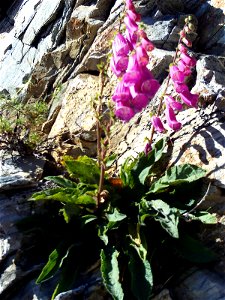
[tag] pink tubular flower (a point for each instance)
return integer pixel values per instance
(147, 44)
(148, 148)
(171, 118)
(132, 38)
(133, 74)
(157, 123)
(182, 48)
(142, 56)
(176, 75)
(130, 5)
(186, 42)
(122, 93)
(169, 100)
(185, 69)
(150, 87)
(139, 100)
(180, 87)
(133, 15)
(120, 45)
(124, 113)
(130, 24)
(118, 64)
(188, 60)
(189, 99)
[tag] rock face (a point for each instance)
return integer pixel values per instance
(56, 45)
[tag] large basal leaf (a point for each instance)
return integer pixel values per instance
(54, 263)
(177, 175)
(84, 168)
(167, 216)
(141, 275)
(61, 181)
(110, 272)
(194, 251)
(79, 195)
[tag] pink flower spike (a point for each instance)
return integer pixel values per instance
(157, 124)
(180, 87)
(176, 75)
(188, 60)
(171, 118)
(150, 87)
(120, 45)
(189, 99)
(169, 100)
(183, 68)
(142, 56)
(124, 113)
(133, 15)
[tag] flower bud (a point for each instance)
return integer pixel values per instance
(191, 27)
(157, 124)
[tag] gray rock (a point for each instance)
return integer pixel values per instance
(201, 285)
(19, 172)
(38, 27)
(210, 81)
(159, 32)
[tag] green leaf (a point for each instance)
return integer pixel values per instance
(141, 275)
(102, 230)
(88, 218)
(115, 218)
(110, 272)
(68, 274)
(70, 210)
(61, 181)
(194, 251)
(109, 161)
(54, 263)
(134, 171)
(167, 216)
(59, 194)
(177, 175)
(84, 168)
(79, 195)
(204, 217)
(86, 200)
